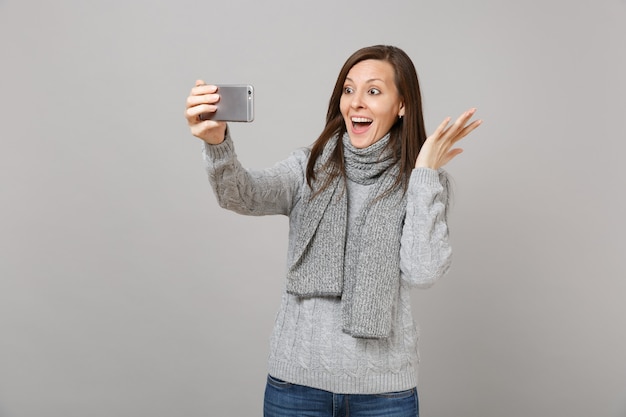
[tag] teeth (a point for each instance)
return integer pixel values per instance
(361, 120)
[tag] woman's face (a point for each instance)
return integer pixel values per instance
(370, 103)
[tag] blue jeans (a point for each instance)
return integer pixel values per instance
(283, 399)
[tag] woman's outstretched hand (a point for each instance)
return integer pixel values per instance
(202, 100)
(437, 150)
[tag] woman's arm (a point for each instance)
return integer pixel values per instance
(425, 252)
(270, 191)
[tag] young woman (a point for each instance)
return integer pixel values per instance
(367, 209)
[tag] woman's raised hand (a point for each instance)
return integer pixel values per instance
(437, 149)
(202, 100)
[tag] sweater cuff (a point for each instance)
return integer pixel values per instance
(221, 150)
(425, 176)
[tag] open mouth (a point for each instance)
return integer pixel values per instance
(360, 123)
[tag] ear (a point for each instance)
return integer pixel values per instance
(401, 111)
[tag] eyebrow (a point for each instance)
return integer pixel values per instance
(367, 81)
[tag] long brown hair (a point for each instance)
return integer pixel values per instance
(407, 135)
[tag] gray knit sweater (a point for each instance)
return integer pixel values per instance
(308, 346)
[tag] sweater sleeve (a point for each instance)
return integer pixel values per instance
(425, 252)
(270, 191)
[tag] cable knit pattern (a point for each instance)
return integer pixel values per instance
(308, 345)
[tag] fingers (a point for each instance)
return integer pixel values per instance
(448, 156)
(445, 131)
(456, 132)
(438, 150)
(202, 99)
(442, 127)
(462, 120)
(465, 117)
(200, 88)
(468, 129)
(197, 100)
(202, 94)
(459, 129)
(192, 114)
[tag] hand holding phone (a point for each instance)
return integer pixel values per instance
(203, 99)
(236, 104)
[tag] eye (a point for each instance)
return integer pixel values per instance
(348, 90)
(373, 91)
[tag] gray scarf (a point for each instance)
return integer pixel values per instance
(365, 270)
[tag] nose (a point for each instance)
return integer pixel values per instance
(357, 101)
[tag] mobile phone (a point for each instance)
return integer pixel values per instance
(236, 104)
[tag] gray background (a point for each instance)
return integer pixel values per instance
(126, 291)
